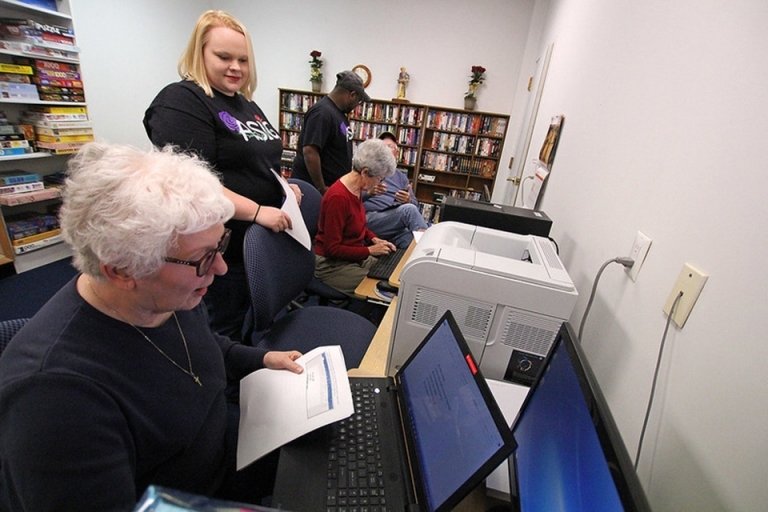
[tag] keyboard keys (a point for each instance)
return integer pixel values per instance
(355, 473)
(385, 265)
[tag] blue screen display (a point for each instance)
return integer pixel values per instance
(453, 430)
(560, 464)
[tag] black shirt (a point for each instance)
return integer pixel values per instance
(231, 133)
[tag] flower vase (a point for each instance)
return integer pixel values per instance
(316, 86)
(469, 102)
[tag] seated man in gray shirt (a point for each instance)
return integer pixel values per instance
(392, 210)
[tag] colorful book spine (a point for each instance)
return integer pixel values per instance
(16, 68)
(16, 177)
(46, 109)
(30, 197)
(36, 238)
(14, 151)
(33, 246)
(22, 187)
(64, 138)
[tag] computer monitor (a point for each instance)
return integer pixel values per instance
(570, 456)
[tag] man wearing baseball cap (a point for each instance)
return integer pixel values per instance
(324, 151)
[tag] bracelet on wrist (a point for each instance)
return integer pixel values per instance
(258, 208)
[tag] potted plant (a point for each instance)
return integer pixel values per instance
(475, 79)
(315, 73)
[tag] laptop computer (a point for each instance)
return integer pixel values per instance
(440, 433)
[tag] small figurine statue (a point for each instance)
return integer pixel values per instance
(402, 83)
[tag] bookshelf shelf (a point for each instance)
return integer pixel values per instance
(49, 48)
(22, 7)
(459, 148)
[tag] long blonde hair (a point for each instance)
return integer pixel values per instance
(191, 65)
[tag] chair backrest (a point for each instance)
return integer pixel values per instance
(278, 269)
(8, 328)
(310, 205)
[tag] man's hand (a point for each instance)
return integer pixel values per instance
(380, 188)
(278, 360)
(403, 196)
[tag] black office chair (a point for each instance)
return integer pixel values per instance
(8, 329)
(278, 269)
(310, 211)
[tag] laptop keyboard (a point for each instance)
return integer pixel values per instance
(385, 265)
(355, 473)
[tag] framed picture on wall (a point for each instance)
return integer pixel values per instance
(548, 149)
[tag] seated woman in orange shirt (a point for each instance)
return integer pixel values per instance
(344, 246)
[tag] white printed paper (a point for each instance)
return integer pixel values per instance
(277, 406)
(291, 207)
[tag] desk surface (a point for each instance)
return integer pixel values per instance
(374, 363)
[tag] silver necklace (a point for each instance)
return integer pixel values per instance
(189, 371)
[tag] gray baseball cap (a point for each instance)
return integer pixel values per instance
(351, 82)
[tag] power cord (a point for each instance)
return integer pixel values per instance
(655, 378)
(627, 262)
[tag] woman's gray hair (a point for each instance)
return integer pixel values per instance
(374, 155)
(125, 207)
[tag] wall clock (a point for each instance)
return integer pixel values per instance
(364, 73)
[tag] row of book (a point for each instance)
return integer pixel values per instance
(22, 187)
(31, 37)
(298, 102)
(411, 115)
(452, 142)
(291, 120)
(430, 212)
(29, 231)
(488, 147)
(466, 123)
(362, 131)
(408, 136)
(379, 112)
(290, 139)
(60, 130)
(41, 80)
(439, 197)
(408, 156)
(465, 144)
(456, 164)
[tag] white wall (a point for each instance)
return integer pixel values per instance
(128, 55)
(666, 111)
(129, 51)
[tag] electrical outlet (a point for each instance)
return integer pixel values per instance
(690, 282)
(638, 253)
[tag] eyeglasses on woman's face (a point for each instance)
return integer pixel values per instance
(204, 264)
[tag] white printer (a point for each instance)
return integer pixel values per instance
(508, 292)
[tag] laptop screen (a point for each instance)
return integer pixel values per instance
(569, 454)
(457, 434)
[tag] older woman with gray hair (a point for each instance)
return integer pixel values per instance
(344, 246)
(118, 381)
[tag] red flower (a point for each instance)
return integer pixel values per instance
(315, 53)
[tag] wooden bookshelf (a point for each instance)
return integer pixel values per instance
(447, 152)
(460, 154)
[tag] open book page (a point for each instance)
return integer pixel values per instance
(277, 406)
(291, 207)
